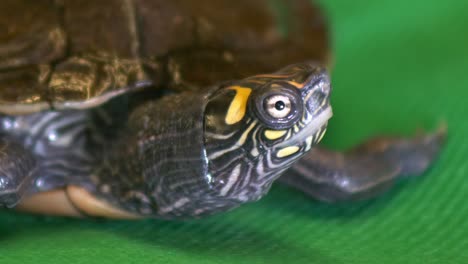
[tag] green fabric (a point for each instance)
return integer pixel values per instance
(400, 65)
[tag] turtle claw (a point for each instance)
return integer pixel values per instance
(16, 165)
(8, 192)
(366, 170)
(416, 155)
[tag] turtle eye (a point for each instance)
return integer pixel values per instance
(278, 106)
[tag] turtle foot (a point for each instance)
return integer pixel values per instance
(366, 170)
(410, 156)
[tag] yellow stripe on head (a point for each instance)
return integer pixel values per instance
(287, 151)
(297, 85)
(238, 105)
(275, 134)
(322, 134)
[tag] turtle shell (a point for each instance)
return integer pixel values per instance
(59, 54)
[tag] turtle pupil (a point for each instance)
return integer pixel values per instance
(280, 105)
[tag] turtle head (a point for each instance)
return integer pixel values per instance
(256, 128)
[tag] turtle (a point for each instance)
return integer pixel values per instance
(176, 109)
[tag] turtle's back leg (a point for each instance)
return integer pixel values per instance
(364, 171)
(16, 172)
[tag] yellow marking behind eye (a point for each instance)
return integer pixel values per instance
(274, 134)
(238, 105)
(287, 151)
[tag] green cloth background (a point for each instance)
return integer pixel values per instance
(399, 66)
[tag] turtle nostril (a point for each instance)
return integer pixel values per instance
(324, 83)
(319, 80)
(316, 100)
(326, 88)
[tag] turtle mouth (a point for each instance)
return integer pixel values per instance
(315, 126)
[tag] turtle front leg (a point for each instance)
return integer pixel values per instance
(16, 170)
(364, 171)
